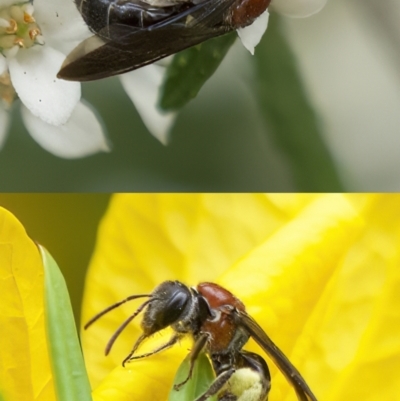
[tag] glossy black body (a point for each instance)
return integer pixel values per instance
(130, 34)
(99, 14)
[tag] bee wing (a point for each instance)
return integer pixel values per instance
(121, 48)
(293, 376)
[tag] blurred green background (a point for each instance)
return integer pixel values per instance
(252, 128)
(66, 224)
(316, 109)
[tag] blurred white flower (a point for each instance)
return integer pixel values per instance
(251, 35)
(34, 39)
(351, 74)
(142, 85)
(297, 8)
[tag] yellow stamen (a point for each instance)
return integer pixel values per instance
(28, 18)
(19, 42)
(33, 33)
(13, 26)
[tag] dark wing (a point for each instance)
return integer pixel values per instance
(121, 48)
(294, 377)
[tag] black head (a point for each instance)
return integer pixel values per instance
(170, 303)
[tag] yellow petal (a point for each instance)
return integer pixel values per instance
(358, 341)
(24, 362)
(144, 379)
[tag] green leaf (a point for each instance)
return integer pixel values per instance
(289, 114)
(202, 377)
(71, 380)
(190, 69)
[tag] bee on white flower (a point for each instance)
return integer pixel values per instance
(36, 36)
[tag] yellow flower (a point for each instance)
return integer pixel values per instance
(318, 272)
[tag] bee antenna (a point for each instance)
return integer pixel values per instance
(113, 306)
(125, 323)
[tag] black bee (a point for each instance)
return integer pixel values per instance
(220, 327)
(133, 33)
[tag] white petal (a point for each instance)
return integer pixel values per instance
(4, 125)
(142, 86)
(3, 64)
(252, 34)
(33, 74)
(297, 8)
(81, 136)
(61, 24)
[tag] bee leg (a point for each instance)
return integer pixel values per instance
(194, 353)
(172, 341)
(217, 384)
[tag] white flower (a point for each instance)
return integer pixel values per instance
(51, 108)
(142, 85)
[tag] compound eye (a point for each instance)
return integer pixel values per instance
(169, 304)
(174, 308)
